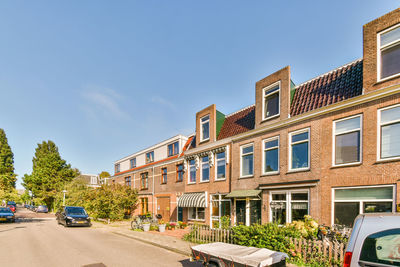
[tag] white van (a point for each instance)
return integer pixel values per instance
(374, 241)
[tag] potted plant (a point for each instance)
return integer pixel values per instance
(146, 226)
(172, 225)
(161, 226)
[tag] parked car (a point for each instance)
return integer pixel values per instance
(33, 208)
(42, 208)
(374, 241)
(73, 216)
(12, 208)
(6, 215)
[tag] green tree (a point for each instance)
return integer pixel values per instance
(50, 173)
(7, 175)
(104, 174)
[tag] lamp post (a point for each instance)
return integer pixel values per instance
(64, 191)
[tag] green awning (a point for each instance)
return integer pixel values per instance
(243, 193)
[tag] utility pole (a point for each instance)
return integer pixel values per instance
(64, 191)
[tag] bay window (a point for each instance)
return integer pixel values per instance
(299, 150)
(347, 140)
(246, 158)
(389, 53)
(271, 155)
(389, 132)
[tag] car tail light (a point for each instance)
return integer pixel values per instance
(347, 259)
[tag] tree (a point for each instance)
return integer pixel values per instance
(104, 174)
(50, 173)
(7, 175)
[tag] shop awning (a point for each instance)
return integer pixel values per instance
(192, 200)
(243, 193)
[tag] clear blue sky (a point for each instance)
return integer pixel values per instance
(103, 79)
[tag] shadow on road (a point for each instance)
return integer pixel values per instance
(10, 229)
(188, 263)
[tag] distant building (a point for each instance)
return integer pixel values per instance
(92, 180)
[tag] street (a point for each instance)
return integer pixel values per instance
(37, 240)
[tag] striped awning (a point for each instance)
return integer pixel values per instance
(192, 200)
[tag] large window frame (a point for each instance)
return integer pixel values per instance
(128, 181)
(291, 144)
(117, 168)
(362, 201)
(204, 166)
(133, 163)
(241, 160)
(173, 149)
(164, 175)
(264, 150)
(203, 121)
(144, 181)
(144, 205)
(334, 134)
(197, 211)
(217, 200)
(288, 202)
(267, 92)
(218, 160)
(150, 157)
(179, 172)
(381, 48)
(379, 131)
(192, 171)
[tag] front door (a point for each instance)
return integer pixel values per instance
(240, 212)
(180, 214)
(255, 212)
(163, 208)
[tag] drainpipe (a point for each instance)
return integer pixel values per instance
(153, 194)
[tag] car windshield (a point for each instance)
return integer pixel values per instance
(75, 211)
(5, 210)
(11, 203)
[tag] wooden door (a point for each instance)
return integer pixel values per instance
(163, 208)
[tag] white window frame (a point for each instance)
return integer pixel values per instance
(201, 169)
(194, 165)
(380, 49)
(216, 167)
(288, 202)
(378, 151)
(93, 179)
(201, 127)
(361, 201)
(196, 219)
(263, 154)
(350, 131)
(219, 201)
(264, 95)
(299, 142)
(241, 160)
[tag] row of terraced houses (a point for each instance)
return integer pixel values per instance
(329, 148)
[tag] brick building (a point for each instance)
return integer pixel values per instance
(329, 147)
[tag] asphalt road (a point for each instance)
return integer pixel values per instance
(37, 240)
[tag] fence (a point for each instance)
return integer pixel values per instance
(330, 253)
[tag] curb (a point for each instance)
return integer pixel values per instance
(154, 244)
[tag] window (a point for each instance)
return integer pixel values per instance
(389, 132)
(347, 140)
(205, 170)
(179, 173)
(381, 249)
(164, 175)
(271, 101)
(288, 206)
(144, 180)
(196, 214)
(144, 205)
(221, 166)
(349, 202)
(117, 168)
(93, 179)
(128, 181)
(192, 171)
(299, 154)
(389, 49)
(150, 157)
(133, 163)
(271, 155)
(173, 149)
(221, 207)
(205, 128)
(246, 160)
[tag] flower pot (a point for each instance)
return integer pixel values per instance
(146, 227)
(161, 228)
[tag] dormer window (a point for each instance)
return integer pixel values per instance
(173, 149)
(389, 49)
(150, 157)
(133, 163)
(205, 128)
(117, 168)
(271, 101)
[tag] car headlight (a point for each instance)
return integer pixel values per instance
(69, 218)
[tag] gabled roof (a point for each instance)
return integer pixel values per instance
(337, 85)
(238, 122)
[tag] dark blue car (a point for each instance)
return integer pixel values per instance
(6, 215)
(73, 216)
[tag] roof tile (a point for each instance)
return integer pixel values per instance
(238, 122)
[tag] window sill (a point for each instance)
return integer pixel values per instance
(387, 78)
(191, 183)
(298, 170)
(197, 220)
(269, 174)
(245, 177)
(179, 181)
(204, 141)
(202, 182)
(163, 183)
(346, 165)
(380, 161)
(220, 180)
(270, 118)
(142, 189)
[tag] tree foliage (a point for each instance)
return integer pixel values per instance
(7, 175)
(106, 202)
(104, 174)
(50, 173)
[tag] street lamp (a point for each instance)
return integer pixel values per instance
(64, 191)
